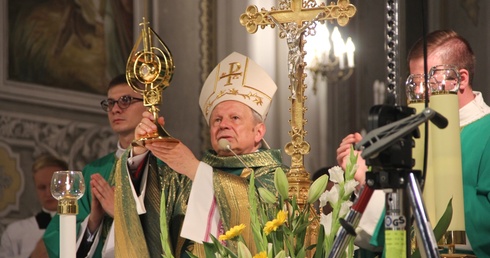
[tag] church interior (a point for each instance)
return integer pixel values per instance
(50, 88)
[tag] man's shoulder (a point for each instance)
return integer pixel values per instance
(102, 165)
(476, 133)
(109, 158)
(480, 124)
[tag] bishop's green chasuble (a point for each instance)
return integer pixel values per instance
(231, 182)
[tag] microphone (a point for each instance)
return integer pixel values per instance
(224, 144)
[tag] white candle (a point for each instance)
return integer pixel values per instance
(350, 48)
(445, 145)
(338, 46)
(328, 47)
(68, 240)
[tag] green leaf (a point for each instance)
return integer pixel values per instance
(191, 255)
(301, 253)
(260, 242)
(210, 249)
(349, 168)
(222, 250)
(320, 248)
(281, 183)
(317, 189)
(243, 251)
(442, 225)
(444, 221)
(281, 254)
(267, 195)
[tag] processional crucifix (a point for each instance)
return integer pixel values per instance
(297, 19)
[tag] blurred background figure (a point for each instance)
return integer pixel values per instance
(23, 238)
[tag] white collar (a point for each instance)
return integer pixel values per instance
(120, 150)
(474, 110)
(52, 213)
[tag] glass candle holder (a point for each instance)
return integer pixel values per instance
(444, 79)
(415, 87)
(67, 187)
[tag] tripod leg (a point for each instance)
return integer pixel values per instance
(428, 243)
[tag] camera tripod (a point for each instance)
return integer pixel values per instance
(388, 150)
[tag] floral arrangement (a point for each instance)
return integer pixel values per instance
(280, 225)
(282, 232)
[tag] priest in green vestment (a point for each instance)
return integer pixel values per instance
(475, 151)
(447, 47)
(235, 100)
(96, 207)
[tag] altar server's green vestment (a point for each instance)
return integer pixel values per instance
(475, 149)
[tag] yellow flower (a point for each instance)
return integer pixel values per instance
(262, 254)
(281, 217)
(275, 223)
(232, 233)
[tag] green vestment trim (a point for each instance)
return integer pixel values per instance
(139, 236)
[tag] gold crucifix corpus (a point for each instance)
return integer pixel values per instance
(297, 19)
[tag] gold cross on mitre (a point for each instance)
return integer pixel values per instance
(296, 19)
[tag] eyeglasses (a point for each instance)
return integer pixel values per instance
(123, 102)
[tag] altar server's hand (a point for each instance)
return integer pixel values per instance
(104, 193)
(102, 201)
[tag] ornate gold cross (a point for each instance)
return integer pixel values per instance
(297, 11)
(296, 19)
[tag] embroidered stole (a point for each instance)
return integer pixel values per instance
(151, 220)
(129, 237)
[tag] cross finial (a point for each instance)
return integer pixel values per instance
(298, 12)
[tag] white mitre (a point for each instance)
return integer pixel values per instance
(239, 78)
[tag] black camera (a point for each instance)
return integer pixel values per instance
(395, 161)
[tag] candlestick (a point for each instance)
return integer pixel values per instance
(326, 56)
(67, 187)
(350, 48)
(338, 46)
(446, 162)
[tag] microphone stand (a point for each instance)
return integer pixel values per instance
(225, 144)
(394, 179)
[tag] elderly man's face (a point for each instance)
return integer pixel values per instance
(234, 121)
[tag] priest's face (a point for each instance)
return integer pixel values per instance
(42, 182)
(124, 120)
(235, 122)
